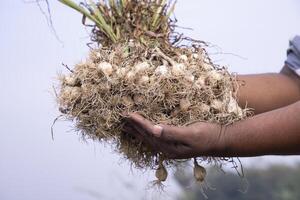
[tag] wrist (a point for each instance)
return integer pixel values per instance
(219, 140)
(225, 132)
(221, 148)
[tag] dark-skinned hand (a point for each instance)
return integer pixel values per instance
(198, 139)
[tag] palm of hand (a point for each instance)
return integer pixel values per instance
(198, 139)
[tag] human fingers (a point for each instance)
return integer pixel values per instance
(171, 149)
(164, 132)
(145, 125)
(129, 129)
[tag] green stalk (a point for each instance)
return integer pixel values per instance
(124, 3)
(100, 22)
(157, 14)
(171, 10)
(116, 5)
(101, 19)
(73, 5)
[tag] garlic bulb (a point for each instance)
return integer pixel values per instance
(207, 66)
(127, 101)
(141, 67)
(130, 76)
(205, 108)
(217, 104)
(144, 80)
(199, 172)
(190, 78)
(121, 72)
(71, 81)
(71, 93)
(161, 70)
(184, 105)
(195, 56)
(106, 68)
(200, 82)
(131, 43)
(139, 99)
(161, 173)
(233, 107)
(98, 55)
(178, 69)
(183, 58)
(215, 75)
(193, 67)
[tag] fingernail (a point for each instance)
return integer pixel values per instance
(157, 130)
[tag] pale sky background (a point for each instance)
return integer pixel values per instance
(33, 167)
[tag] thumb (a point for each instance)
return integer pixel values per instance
(173, 133)
(144, 125)
(157, 130)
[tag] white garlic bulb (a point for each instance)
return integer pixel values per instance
(71, 80)
(184, 105)
(193, 67)
(200, 82)
(71, 93)
(195, 56)
(178, 69)
(106, 68)
(127, 101)
(205, 108)
(207, 66)
(121, 72)
(130, 75)
(190, 78)
(183, 58)
(144, 80)
(215, 75)
(217, 104)
(140, 67)
(233, 107)
(161, 70)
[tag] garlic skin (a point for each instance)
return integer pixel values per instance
(233, 107)
(131, 43)
(184, 105)
(141, 67)
(130, 76)
(195, 56)
(190, 78)
(178, 69)
(106, 68)
(71, 93)
(98, 54)
(161, 70)
(71, 81)
(217, 104)
(161, 173)
(200, 82)
(199, 173)
(205, 108)
(175, 112)
(144, 80)
(215, 75)
(183, 58)
(192, 67)
(207, 66)
(127, 101)
(121, 72)
(139, 99)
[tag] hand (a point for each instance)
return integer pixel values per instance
(198, 139)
